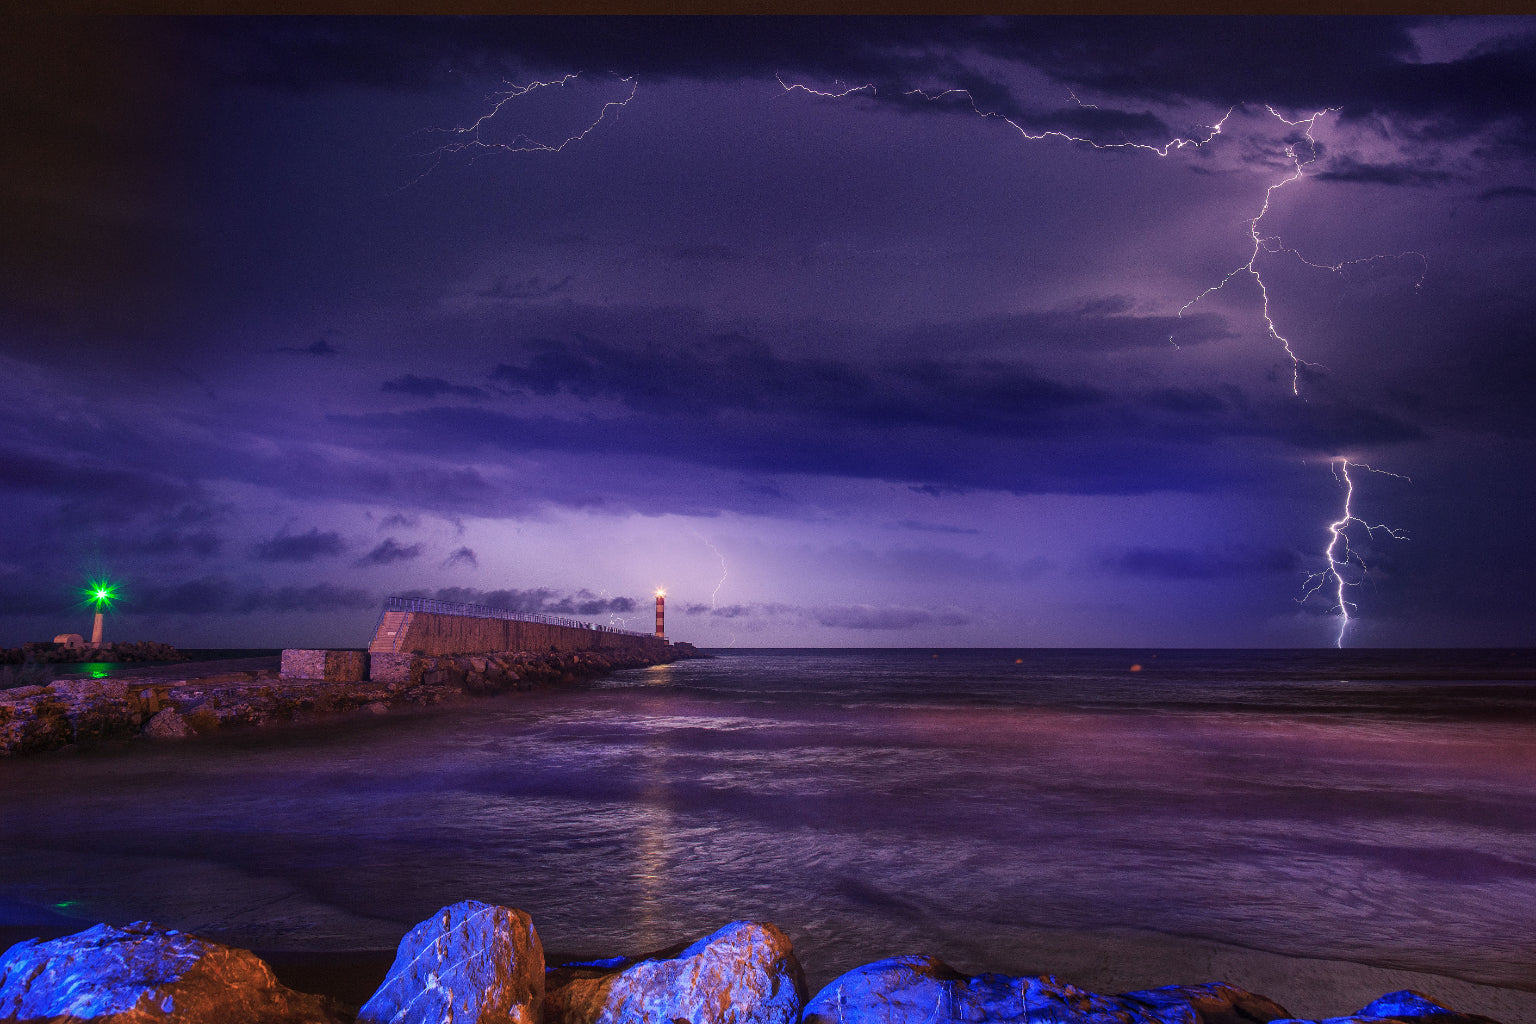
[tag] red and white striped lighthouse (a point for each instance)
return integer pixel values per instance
(661, 613)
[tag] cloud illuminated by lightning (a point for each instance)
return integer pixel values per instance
(1272, 244)
(1178, 142)
(1340, 556)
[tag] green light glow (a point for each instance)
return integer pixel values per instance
(101, 593)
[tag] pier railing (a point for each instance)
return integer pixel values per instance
(430, 606)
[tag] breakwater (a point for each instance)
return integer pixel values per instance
(424, 626)
(34, 719)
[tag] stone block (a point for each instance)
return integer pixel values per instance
(299, 664)
(390, 667)
(346, 666)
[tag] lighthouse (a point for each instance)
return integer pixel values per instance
(661, 613)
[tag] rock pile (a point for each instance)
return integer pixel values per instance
(49, 716)
(475, 963)
(144, 973)
(49, 654)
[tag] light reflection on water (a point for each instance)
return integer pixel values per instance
(871, 804)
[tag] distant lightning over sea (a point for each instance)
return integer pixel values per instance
(714, 597)
(1340, 556)
(1300, 153)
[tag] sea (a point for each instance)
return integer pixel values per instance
(1373, 806)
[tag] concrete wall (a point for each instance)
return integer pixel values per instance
(459, 634)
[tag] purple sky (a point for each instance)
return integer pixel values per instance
(281, 337)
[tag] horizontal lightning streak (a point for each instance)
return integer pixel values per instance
(472, 140)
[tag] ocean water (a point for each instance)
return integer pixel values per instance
(1374, 806)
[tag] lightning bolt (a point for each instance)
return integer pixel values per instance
(1272, 244)
(1339, 556)
(1261, 243)
(469, 138)
(714, 597)
(1300, 153)
(1178, 142)
(792, 86)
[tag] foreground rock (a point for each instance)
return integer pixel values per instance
(475, 963)
(745, 973)
(923, 990)
(470, 963)
(145, 973)
(1405, 1006)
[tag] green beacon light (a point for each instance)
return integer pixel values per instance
(100, 593)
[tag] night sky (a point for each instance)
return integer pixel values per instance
(298, 314)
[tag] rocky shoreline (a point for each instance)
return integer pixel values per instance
(66, 712)
(476, 963)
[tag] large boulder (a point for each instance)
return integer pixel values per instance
(745, 973)
(145, 973)
(470, 963)
(1406, 1006)
(923, 990)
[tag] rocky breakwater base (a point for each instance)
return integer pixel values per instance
(310, 685)
(475, 963)
(57, 653)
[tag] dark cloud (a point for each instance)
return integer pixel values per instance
(390, 551)
(724, 611)
(1193, 564)
(739, 373)
(1369, 65)
(463, 556)
(321, 597)
(1508, 192)
(167, 543)
(431, 387)
(91, 493)
(850, 616)
(941, 428)
(320, 348)
(216, 595)
(504, 289)
(540, 601)
(921, 527)
(1101, 325)
(301, 547)
(1350, 170)
(878, 618)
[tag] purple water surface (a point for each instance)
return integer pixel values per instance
(1377, 807)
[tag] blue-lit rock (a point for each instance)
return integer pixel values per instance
(469, 963)
(745, 973)
(923, 990)
(144, 973)
(1404, 1006)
